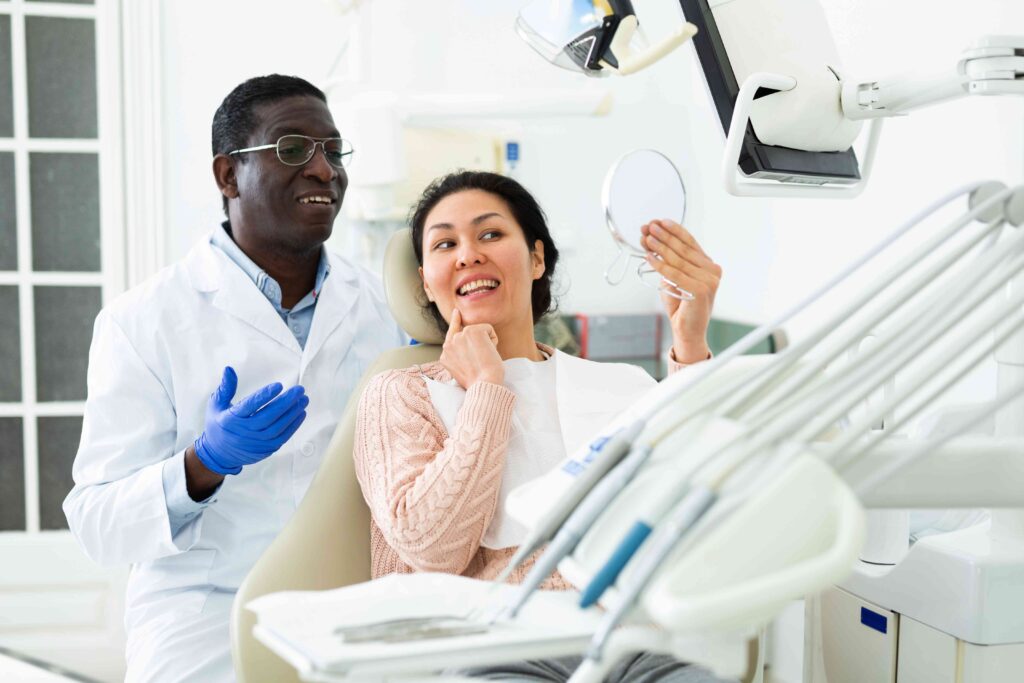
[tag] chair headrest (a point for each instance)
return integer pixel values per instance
(404, 290)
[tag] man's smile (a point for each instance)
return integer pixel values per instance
(319, 197)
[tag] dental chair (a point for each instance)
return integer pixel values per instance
(327, 542)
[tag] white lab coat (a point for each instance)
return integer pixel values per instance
(157, 354)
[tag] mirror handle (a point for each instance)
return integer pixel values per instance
(620, 255)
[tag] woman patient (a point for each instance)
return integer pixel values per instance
(439, 446)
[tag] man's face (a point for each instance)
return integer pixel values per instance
(273, 207)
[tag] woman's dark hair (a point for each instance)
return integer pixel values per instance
(525, 210)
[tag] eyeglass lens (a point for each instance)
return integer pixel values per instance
(296, 150)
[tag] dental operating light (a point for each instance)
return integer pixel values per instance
(593, 37)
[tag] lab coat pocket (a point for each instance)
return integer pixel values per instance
(187, 573)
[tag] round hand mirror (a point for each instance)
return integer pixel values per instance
(643, 185)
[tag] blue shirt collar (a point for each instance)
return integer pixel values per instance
(267, 285)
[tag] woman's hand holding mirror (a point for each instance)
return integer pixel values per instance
(676, 256)
(644, 204)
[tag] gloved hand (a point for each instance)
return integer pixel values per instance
(250, 430)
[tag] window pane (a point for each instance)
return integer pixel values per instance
(6, 91)
(65, 199)
(8, 225)
(58, 443)
(12, 475)
(61, 58)
(10, 346)
(64, 318)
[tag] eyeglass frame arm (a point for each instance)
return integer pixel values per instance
(316, 141)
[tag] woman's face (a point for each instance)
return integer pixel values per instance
(475, 258)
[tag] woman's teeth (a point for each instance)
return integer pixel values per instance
(471, 287)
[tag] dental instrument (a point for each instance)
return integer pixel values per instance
(598, 458)
(684, 520)
(637, 535)
(641, 529)
(756, 391)
(578, 523)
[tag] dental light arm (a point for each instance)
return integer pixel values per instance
(993, 65)
(630, 62)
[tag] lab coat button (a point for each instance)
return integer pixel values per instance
(308, 449)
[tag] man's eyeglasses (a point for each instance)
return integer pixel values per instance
(296, 150)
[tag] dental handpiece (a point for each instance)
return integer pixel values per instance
(651, 512)
(578, 523)
(681, 520)
(602, 455)
(630, 544)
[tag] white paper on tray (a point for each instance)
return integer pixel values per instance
(302, 625)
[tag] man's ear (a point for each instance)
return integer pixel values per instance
(224, 174)
(426, 289)
(537, 256)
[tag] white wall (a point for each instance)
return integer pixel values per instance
(772, 250)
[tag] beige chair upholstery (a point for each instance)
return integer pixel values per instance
(327, 542)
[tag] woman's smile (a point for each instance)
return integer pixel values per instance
(476, 287)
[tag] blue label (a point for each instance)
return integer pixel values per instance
(874, 620)
(572, 467)
(511, 151)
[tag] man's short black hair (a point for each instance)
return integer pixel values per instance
(235, 118)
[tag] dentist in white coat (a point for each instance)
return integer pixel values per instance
(194, 454)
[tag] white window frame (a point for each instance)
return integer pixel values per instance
(109, 147)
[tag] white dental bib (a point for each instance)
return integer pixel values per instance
(560, 402)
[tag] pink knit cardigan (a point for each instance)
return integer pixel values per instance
(431, 494)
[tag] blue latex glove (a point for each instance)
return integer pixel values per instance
(250, 430)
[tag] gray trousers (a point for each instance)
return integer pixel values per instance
(643, 667)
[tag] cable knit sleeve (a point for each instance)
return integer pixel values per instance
(432, 497)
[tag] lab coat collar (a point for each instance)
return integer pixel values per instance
(333, 305)
(211, 271)
(239, 296)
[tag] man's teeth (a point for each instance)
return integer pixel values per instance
(470, 287)
(315, 200)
